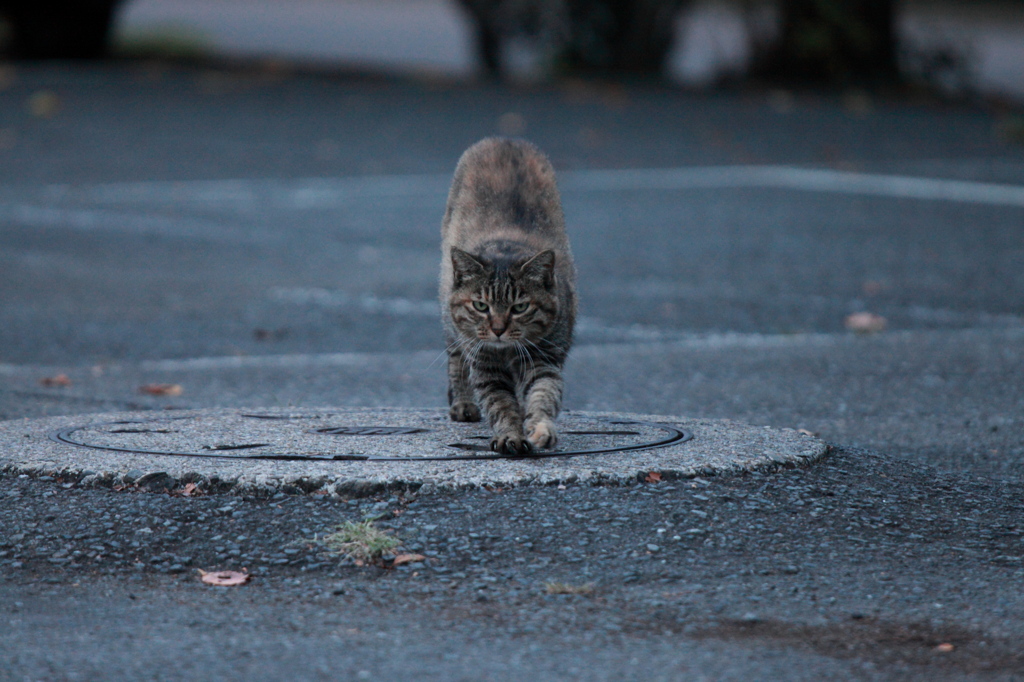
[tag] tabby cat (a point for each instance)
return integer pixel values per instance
(508, 294)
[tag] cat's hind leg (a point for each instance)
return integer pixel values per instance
(543, 403)
(461, 403)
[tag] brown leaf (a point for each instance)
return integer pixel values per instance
(872, 288)
(188, 490)
(865, 323)
(59, 380)
(223, 578)
(43, 103)
(407, 558)
(653, 477)
(170, 390)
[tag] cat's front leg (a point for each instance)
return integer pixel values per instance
(543, 403)
(498, 398)
(461, 403)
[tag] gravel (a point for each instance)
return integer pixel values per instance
(888, 557)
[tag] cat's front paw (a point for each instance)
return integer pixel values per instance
(464, 412)
(542, 434)
(511, 444)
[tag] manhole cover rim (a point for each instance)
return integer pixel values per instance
(676, 436)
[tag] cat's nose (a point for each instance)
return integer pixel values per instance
(498, 326)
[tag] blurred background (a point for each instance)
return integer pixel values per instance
(957, 47)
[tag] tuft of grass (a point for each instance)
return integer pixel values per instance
(566, 588)
(167, 41)
(1012, 129)
(361, 541)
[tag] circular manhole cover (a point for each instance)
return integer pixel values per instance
(360, 451)
(333, 437)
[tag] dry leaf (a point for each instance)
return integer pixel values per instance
(872, 288)
(170, 390)
(511, 123)
(188, 490)
(653, 477)
(223, 578)
(945, 648)
(43, 103)
(865, 323)
(407, 558)
(59, 380)
(565, 588)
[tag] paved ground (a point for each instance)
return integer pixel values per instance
(270, 239)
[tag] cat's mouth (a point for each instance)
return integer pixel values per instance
(502, 342)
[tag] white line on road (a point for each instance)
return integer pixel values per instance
(135, 222)
(429, 359)
(322, 193)
(369, 303)
(804, 179)
(425, 358)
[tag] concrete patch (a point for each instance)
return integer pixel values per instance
(358, 452)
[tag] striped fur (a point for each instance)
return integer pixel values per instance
(508, 294)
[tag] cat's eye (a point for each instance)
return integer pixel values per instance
(520, 308)
(481, 306)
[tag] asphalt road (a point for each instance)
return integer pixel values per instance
(270, 238)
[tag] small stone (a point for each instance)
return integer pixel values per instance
(653, 548)
(157, 482)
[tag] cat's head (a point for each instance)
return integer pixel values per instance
(503, 302)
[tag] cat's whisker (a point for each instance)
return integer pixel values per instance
(473, 351)
(546, 357)
(554, 345)
(525, 354)
(446, 351)
(436, 358)
(519, 353)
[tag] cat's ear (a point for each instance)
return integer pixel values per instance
(465, 266)
(539, 269)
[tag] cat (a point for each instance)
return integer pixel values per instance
(508, 294)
